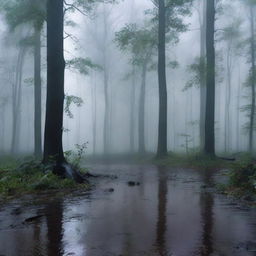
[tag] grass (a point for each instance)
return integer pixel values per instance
(241, 172)
(195, 161)
(17, 179)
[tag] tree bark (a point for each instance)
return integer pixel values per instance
(210, 81)
(53, 148)
(37, 96)
(162, 126)
(202, 76)
(253, 80)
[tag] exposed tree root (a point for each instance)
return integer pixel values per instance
(66, 170)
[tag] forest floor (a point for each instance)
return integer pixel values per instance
(19, 177)
(133, 210)
(240, 172)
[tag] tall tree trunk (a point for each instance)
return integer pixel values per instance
(37, 96)
(228, 99)
(142, 110)
(94, 115)
(16, 100)
(162, 126)
(53, 148)
(202, 76)
(253, 80)
(238, 109)
(107, 116)
(210, 81)
(132, 112)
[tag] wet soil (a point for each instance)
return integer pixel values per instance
(133, 210)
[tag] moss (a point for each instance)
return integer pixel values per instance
(242, 180)
(31, 177)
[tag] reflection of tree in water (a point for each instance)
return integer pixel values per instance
(207, 203)
(37, 243)
(162, 206)
(54, 215)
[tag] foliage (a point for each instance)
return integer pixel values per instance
(244, 177)
(198, 70)
(175, 11)
(69, 100)
(75, 157)
(25, 11)
(140, 42)
(30, 177)
(82, 65)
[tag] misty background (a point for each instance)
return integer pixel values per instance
(93, 36)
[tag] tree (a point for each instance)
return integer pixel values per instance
(168, 15)
(141, 43)
(252, 75)
(53, 148)
(162, 127)
(209, 147)
(30, 12)
(230, 35)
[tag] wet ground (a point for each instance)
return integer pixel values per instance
(146, 210)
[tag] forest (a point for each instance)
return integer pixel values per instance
(117, 114)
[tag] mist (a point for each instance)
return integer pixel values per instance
(127, 127)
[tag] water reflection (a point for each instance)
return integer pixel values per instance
(162, 208)
(54, 215)
(206, 205)
(171, 212)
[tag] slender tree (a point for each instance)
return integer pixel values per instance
(141, 43)
(30, 12)
(230, 35)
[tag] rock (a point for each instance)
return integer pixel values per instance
(133, 183)
(111, 190)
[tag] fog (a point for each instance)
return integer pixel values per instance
(93, 37)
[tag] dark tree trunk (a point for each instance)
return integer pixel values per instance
(210, 81)
(37, 96)
(53, 148)
(162, 126)
(142, 111)
(253, 80)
